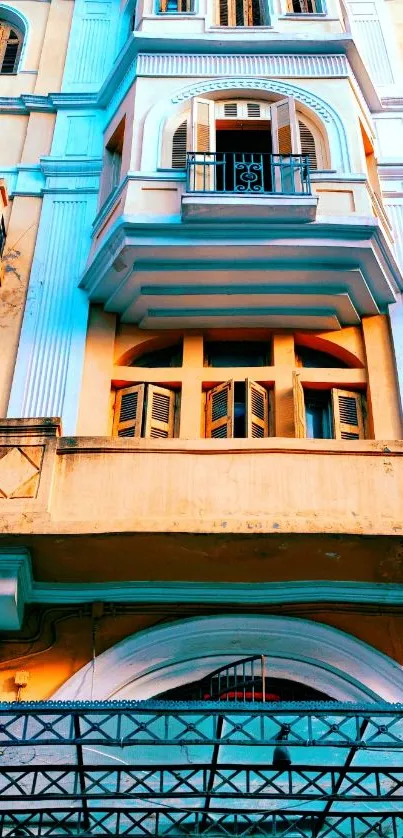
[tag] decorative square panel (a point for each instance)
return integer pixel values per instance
(19, 471)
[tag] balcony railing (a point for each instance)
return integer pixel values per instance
(248, 173)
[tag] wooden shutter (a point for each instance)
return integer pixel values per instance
(348, 420)
(128, 411)
(203, 142)
(308, 148)
(257, 410)
(299, 407)
(160, 412)
(179, 146)
(203, 125)
(220, 411)
(284, 128)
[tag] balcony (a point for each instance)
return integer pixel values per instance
(248, 186)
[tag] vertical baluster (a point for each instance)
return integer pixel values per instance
(224, 172)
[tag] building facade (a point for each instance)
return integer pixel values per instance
(201, 369)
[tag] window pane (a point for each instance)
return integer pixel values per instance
(318, 415)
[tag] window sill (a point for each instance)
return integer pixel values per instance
(304, 15)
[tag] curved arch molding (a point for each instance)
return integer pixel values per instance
(162, 110)
(160, 658)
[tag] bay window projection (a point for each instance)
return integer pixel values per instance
(146, 411)
(328, 414)
(238, 410)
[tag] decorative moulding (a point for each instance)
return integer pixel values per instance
(320, 66)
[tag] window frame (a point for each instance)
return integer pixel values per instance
(5, 25)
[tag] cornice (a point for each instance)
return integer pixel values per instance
(203, 593)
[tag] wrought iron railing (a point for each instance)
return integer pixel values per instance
(56, 783)
(248, 173)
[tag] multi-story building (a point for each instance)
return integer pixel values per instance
(201, 379)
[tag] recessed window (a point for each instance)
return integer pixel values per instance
(307, 357)
(305, 7)
(238, 410)
(176, 7)
(236, 354)
(10, 48)
(113, 160)
(328, 414)
(146, 411)
(170, 356)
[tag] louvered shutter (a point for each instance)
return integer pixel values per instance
(203, 142)
(257, 410)
(284, 129)
(348, 420)
(285, 141)
(220, 411)
(179, 146)
(159, 413)
(308, 144)
(128, 411)
(299, 407)
(203, 125)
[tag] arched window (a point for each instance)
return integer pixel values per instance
(221, 130)
(10, 48)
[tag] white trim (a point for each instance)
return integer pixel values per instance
(158, 659)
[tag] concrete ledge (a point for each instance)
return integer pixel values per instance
(217, 207)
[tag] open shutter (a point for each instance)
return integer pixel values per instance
(299, 407)
(348, 420)
(220, 411)
(160, 412)
(128, 411)
(284, 127)
(203, 144)
(285, 142)
(257, 410)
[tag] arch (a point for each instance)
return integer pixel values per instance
(157, 659)
(17, 20)
(165, 109)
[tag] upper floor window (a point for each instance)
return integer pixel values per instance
(307, 357)
(145, 410)
(169, 356)
(113, 160)
(246, 127)
(174, 7)
(305, 7)
(236, 354)
(241, 13)
(328, 414)
(238, 409)
(10, 48)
